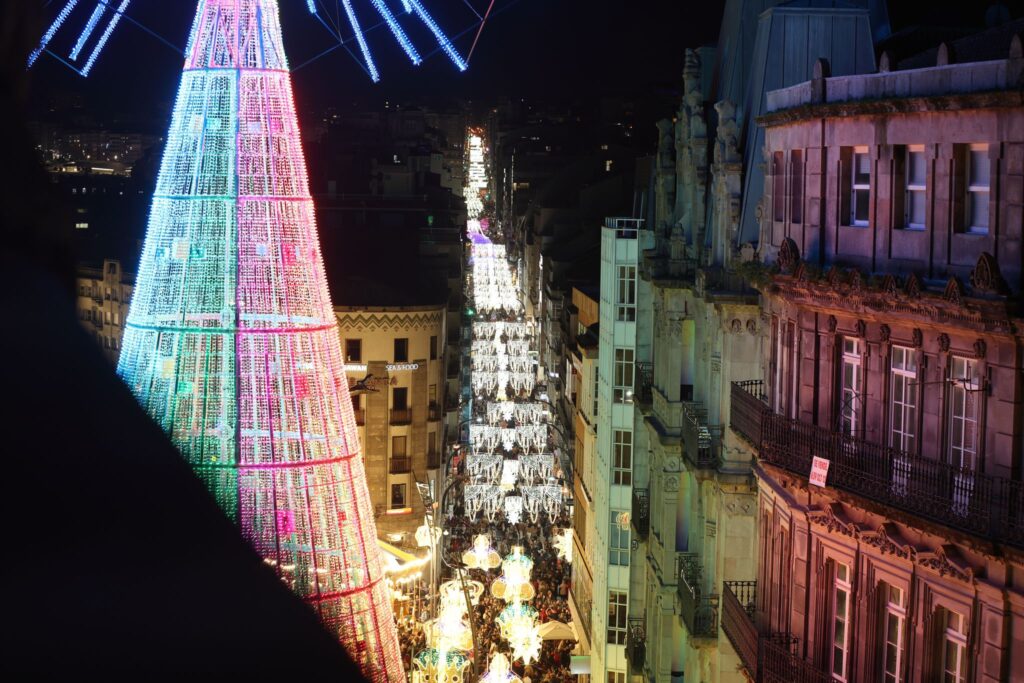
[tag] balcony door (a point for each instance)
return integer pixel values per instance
(964, 397)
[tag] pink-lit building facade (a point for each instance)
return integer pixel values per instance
(893, 348)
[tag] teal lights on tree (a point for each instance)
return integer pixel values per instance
(230, 342)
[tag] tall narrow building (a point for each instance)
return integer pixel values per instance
(230, 342)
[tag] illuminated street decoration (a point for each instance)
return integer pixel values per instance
(481, 555)
(231, 345)
(563, 544)
(102, 42)
(518, 624)
(499, 671)
(62, 16)
(427, 667)
(90, 26)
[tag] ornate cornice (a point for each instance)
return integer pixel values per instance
(947, 561)
(361, 322)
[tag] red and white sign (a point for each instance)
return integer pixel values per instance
(819, 471)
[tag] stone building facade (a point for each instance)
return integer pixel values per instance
(104, 295)
(395, 362)
(889, 420)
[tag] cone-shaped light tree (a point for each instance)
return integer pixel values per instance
(230, 342)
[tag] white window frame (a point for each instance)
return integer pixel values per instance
(618, 541)
(954, 637)
(625, 294)
(977, 192)
(895, 614)
(964, 410)
(913, 188)
(856, 187)
(850, 391)
(622, 457)
(841, 643)
(617, 631)
(903, 398)
(625, 367)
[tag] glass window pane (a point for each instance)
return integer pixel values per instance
(979, 209)
(916, 168)
(917, 208)
(979, 170)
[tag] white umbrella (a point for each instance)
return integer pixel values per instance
(556, 630)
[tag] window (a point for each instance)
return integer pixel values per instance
(618, 542)
(625, 299)
(915, 175)
(860, 186)
(616, 677)
(432, 394)
(433, 347)
(954, 648)
(778, 187)
(622, 466)
(904, 398)
(617, 604)
(401, 350)
(978, 183)
(398, 447)
(623, 376)
(849, 397)
(399, 398)
(963, 429)
(596, 384)
(353, 350)
(894, 634)
(397, 496)
(841, 590)
(796, 186)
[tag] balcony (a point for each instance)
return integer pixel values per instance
(636, 644)
(749, 406)
(453, 368)
(641, 513)
(702, 443)
(698, 612)
(972, 502)
(738, 600)
(642, 392)
(434, 412)
(768, 658)
(400, 464)
(360, 416)
(401, 416)
(433, 458)
(717, 282)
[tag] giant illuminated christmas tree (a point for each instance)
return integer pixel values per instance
(230, 343)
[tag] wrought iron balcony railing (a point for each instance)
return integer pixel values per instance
(749, 405)
(636, 643)
(956, 497)
(401, 416)
(701, 442)
(400, 464)
(738, 600)
(778, 662)
(641, 513)
(644, 381)
(699, 612)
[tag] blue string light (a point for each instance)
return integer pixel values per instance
(311, 4)
(90, 26)
(361, 39)
(397, 31)
(106, 35)
(50, 32)
(442, 39)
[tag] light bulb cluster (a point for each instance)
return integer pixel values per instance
(231, 344)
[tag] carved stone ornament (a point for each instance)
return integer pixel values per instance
(832, 518)
(889, 541)
(834, 277)
(671, 483)
(986, 278)
(946, 560)
(943, 342)
(954, 292)
(672, 464)
(913, 286)
(802, 274)
(884, 332)
(789, 255)
(890, 286)
(917, 338)
(861, 328)
(856, 280)
(752, 327)
(736, 326)
(833, 324)
(980, 348)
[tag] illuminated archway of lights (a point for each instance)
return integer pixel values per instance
(361, 16)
